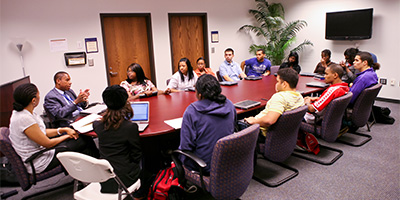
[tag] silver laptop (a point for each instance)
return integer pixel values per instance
(317, 84)
(246, 104)
(141, 114)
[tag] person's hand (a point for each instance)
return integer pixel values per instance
(82, 96)
(342, 63)
(250, 120)
(167, 91)
(148, 93)
(71, 132)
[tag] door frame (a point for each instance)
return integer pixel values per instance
(205, 35)
(149, 36)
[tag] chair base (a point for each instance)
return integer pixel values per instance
(345, 139)
(266, 174)
(92, 191)
(325, 151)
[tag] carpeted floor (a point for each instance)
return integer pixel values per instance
(371, 171)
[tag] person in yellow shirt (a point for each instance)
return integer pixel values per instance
(286, 98)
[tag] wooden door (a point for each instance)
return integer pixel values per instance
(127, 39)
(188, 36)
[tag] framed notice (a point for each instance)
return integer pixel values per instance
(91, 45)
(75, 58)
(214, 37)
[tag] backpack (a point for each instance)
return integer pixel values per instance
(307, 142)
(166, 185)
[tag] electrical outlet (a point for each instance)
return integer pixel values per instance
(392, 81)
(383, 81)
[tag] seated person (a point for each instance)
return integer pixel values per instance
(293, 62)
(61, 103)
(184, 78)
(286, 98)
(230, 70)
(257, 66)
(324, 63)
(136, 83)
(119, 141)
(202, 69)
(333, 75)
(348, 67)
(29, 135)
(367, 77)
(205, 121)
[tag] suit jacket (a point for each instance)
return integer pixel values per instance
(58, 110)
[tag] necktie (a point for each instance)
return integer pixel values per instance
(69, 99)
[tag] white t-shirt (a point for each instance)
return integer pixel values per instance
(177, 83)
(24, 146)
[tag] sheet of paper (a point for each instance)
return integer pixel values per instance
(85, 124)
(95, 109)
(174, 123)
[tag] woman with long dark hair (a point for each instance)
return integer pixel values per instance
(185, 78)
(28, 133)
(293, 62)
(119, 141)
(207, 120)
(136, 83)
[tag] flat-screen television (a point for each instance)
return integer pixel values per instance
(349, 25)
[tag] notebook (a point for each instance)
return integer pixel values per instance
(228, 83)
(246, 104)
(317, 84)
(141, 114)
(253, 78)
(307, 74)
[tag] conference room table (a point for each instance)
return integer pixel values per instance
(172, 106)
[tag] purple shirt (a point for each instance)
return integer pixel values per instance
(257, 68)
(364, 80)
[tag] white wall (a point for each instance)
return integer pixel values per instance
(41, 20)
(384, 43)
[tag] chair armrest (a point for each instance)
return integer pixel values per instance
(192, 156)
(30, 161)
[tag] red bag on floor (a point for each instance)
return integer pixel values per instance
(165, 182)
(307, 142)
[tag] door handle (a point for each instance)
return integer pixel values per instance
(113, 73)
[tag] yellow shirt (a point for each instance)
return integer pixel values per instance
(281, 102)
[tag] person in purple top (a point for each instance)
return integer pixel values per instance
(257, 66)
(367, 76)
(205, 121)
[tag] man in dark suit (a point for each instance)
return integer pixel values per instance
(62, 105)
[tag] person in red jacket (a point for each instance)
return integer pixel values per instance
(338, 88)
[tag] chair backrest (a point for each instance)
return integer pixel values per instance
(232, 163)
(274, 69)
(220, 79)
(16, 161)
(333, 115)
(86, 168)
(282, 136)
(363, 105)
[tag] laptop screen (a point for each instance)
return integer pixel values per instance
(140, 111)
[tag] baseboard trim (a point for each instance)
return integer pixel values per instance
(388, 100)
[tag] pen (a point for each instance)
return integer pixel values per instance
(264, 99)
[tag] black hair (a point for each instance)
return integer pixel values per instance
(368, 57)
(229, 49)
(351, 53)
(262, 50)
(58, 76)
(23, 95)
(140, 77)
(208, 86)
(336, 68)
(327, 52)
(290, 76)
(190, 69)
(296, 56)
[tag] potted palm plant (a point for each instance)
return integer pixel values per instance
(278, 34)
